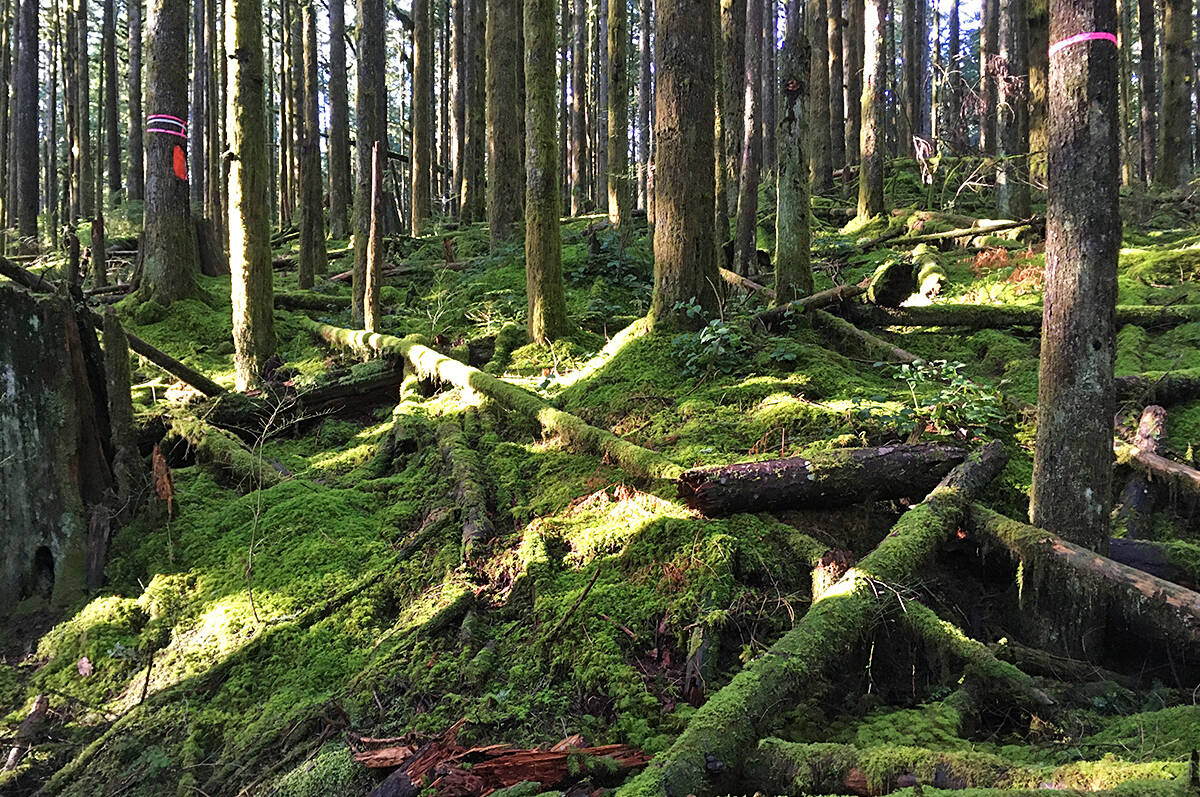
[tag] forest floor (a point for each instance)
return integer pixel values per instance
(284, 617)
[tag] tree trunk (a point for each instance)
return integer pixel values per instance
(1147, 89)
(339, 123)
(547, 309)
(837, 80)
(83, 158)
(374, 280)
(371, 127)
(989, 51)
(52, 183)
(136, 149)
(503, 125)
(746, 239)
(1012, 115)
(579, 141)
(829, 479)
(169, 256)
(852, 38)
(600, 72)
(910, 76)
(198, 117)
(1125, 138)
(870, 174)
(1038, 15)
(645, 100)
(25, 129)
(619, 197)
(821, 167)
(1072, 460)
(471, 191)
(422, 117)
(770, 72)
(733, 95)
(313, 256)
(955, 124)
(249, 178)
(1175, 166)
(685, 264)
(111, 138)
(7, 31)
(793, 267)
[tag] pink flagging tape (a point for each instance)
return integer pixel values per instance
(1083, 37)
(168, 132)
(167, 116)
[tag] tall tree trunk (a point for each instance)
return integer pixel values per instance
(821, 167)
(770, 78)
(445, 164)
(111, 138)
(1072, 470)
(1038, 12)
(371, 126)
(1175, 166)
(8, 27)
(685, 264)
(1012, 178)
(83, 155)
(70, 113)
(1147, 89)
(793, 268)
(313, 257)
(579, 138)
(1124, 139)
(645, 99)
(471, 194)
(503, 126)
(837, 81)
(870, 176)
(198, 116)
(169, 255)
(853, 41)
(296, 105)
(600, 57)
(547, 308)
(720, 188)
(458, 133)
(422, 117)
(25, 130)
(619, 197)
(910, 76)
(988, 89)
(564, 101)
(733, 97)
(52, 197)
(215, 184)
(249, 178)
(746, 239)
(956, 128)
(374, 283)
(339, 123)
(285, 115)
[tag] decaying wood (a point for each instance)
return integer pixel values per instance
(825, 480)
(1156, 558)
(222, 449)
(983, 316)
(310, 300)
(1038, 662)
(1137, 498)
(770, 319)
(871, 345)
(28, 731)
(737, 280)
(981, 228)
(1158, 468)
(1171, 387)
(469, 490)
(725, 728)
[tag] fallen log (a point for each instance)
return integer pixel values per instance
(634, 459)
(1168, 387)
(29, 730)
(971, 232)
(771, 319)
(738, 281)
(1176, 475)
(725, 728)
(1038, 662)
(873, 346)
(825, 480)
(469, 490)
(1175, 560)
(222, 449)
(1137, 497)
(985, 316)
(310, 300)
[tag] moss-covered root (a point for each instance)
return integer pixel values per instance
(508, 339)
(469, 485)
(222, 449)
(633, 459)
(1058, 574)
(981, 664)
(721, 733)
(869, 344)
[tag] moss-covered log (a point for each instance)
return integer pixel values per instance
(1174, 560)
(1161, 387)
(305, 300)
(1137, 497)
(828, 479)
(469, 485)
(871, 345)
(723, 731)
(982, 316)
(174, 367)
(1158, 468)
(223, 449)
(634, 459)
(772, 318)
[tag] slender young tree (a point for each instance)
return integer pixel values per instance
(1147, 90)
(1072, 468)
(956, 130)
(852, 40)
(547, 306)
(1012, 178)
(83, 134)
(910, 75)
(821, 167)
(169, 255)
(685, 252)
(579, 139)
(8, 27)
(26, 125)
(249, 178)
(989, 50)
(1039, 47)
(793, 267)
(374, 281)
(600, 128)
(870, 176)
(837, 80)
(733, 94)
(1175, 165)
(339, 123)
(458, 99)
(619, 198)
(472, 198)
(198, 118)
(503, 124)
(770, 78)
(112, 139)
(746, 239)
(422, 117)
(313, 257)
(645, 100)
(371, 126)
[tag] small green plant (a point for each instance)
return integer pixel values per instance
(959, 407)
(716, 346)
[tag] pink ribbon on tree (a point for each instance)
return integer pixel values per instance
(1083, 37)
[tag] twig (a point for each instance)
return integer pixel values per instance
(561, 623)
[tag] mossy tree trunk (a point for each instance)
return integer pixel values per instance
(645, 100)
(870, 173)
(197, 119)
(471, 193)
(458, 96)
(1147, 90)
(25, 127)
(1012, 178)
(746, 238)
(1175, 166)
(600, 109)
(313, 257)
(989, 50)
(579, 139)
(137, 174)
(374, 277)
(339, 123)
(170, 258)
(910, 75)
(733, 95)
(837, 79)
(619, 195)
(852, 39)
(685, 253)
(370, 128)
(821, 165)
(249, 178)
(112, 140)
(1038, 15)
(83, 131)
(503, 119)
(422, 117)
(547, 308)
(793, 266)
(1072, 471)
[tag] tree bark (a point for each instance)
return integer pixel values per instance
(313, 256)
(1072, 473)
(503, 122)
(619, 195)
(837, 80)
(600, 71)
(989, 51)
(1147, 90)
(793, 238)
(422, 117)
(685, 253)
(249, 178)
(870, 174)
(910, 75)
(371, 127)
(112, 140)
(854, 44)
(1175, 165)
(339, 123)
(374, 278)
(645, 100)
(955, 124)
(1038, 15)
(83, 136)
(170, 259)
(579, 139)
(546, 303)
(1012, 115)
(746, 238)
(197, 117)
(821, 166)
(829, 479)
(25, 129)
(733, 95)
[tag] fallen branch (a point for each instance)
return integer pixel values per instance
(1137, 498)
(1157, 467)
(971, 232)
(1170, 387)
(561, 624)
(825, 480)
(737, 280)
(770, 319)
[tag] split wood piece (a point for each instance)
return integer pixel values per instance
(1165, 610)
(633, 459)
(984, 316)
(469, 484)
(1176, 475)
(771, 319)
(1137, 498)
(738, 281)
(826, 480)
(310, 300)
(223, 449)
(27, 732)
(1170, 387)
(724, 729)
